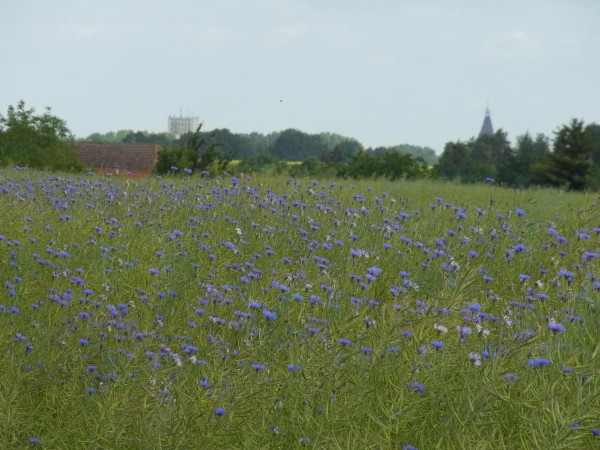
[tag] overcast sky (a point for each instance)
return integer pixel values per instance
(385, 72)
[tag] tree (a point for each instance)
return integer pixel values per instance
(570, 164)
(36, 140)
(454, 161)
(202, 152)
(528, 153)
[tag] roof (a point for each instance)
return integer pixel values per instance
(132, 159)
(487, 128)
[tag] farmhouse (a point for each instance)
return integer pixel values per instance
(136, 160)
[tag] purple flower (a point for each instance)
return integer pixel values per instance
(556, 327)
(538, 362)
(345, 341)
(417, 387)
(519, 212)
(220, 411)
(438, 345)
(269, 315)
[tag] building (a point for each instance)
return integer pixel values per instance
(487, 129)
(136, 160)
(182, 125)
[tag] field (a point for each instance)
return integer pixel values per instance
(251, 313)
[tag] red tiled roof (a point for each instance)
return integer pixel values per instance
(136, 159)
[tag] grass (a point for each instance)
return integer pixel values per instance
(225, 313)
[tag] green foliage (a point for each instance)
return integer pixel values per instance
(201, 153)
(573, 163)
(570, 164)
(425, 153)
(36, 140)
(263, 162)
(389, 165)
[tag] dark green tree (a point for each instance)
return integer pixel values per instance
(528, 152)
(202, 152)
(454, 161)
(570, 163)
(36, 140)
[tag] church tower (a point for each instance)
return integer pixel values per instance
(487, 129)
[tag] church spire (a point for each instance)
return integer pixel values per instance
(487, 129)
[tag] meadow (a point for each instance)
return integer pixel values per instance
(232, 313)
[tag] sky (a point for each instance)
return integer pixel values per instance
(385, 72)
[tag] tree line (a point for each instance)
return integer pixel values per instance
(287, 145)
(570, 160)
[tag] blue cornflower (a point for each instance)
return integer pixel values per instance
(269, 315)
(34, 440)
(258, 367)
(220, 411)
(417, 387)
(345, 341)
(519, 212)
(437, 344)
(556, 327)
(538, 362)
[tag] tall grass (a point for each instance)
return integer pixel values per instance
(226, 313)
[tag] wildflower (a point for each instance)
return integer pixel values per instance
(519, 212)
(345, 341)
(417, 387)
(440, 328)
(556, 327)
(258, 367)
(34, 440)
(463, 331)
(438, 345)
(269, 315)
(220, 411)
(510, 378)
(475, 359)
(538, 362)
(482, 331)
